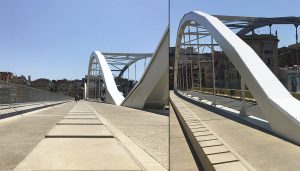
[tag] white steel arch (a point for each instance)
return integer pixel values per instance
(152, 90)
(112, 94)
(279, 107)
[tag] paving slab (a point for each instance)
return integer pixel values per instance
(87, 131)
(79, 122)
(81, 113)
(230, 166)
(215, 149)
(78, 154)
(80, 117)
(222, 158)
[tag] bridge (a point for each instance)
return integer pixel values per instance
(121, 124)
(254, 125)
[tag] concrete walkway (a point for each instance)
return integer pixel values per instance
(260, 150)
(84, 140)
(20, 134)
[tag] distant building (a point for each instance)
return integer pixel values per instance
(20, 80)
(43, 84)
(226, 76)
(290, 78)
(171, 67)
(29, 80)
(266, 47)
(69, 87)
(63, 86)
(289, 56)
(6, 76)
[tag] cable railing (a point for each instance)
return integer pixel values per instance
(15, 97)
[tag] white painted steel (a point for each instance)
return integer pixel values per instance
(113, 95)
(279, 107)
(85, 90)
(152, 89)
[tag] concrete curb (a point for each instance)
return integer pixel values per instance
(211, 150)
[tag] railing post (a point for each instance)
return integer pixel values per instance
(214, 102)
(200, 76)
(243, 111)
(186, 77)
(99, 89)
(192, 80)
(191, 50)
(182, 77)
(85, 91)
(199, 67)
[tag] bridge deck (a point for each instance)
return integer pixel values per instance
(259, 149)
(89, 136)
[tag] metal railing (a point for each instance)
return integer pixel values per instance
(14, 97)
(233, 93)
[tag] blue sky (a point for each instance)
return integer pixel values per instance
(54, 38)
(259, 8)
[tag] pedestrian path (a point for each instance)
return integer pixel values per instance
(83, 140)
(226, 143)
(20, 134)
(78, 145)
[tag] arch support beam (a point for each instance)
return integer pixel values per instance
(152, 89)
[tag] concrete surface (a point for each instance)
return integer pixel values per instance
(80, 117)
(79, 122)
(79, 131)
(80, 113)
(148, 130)
(146, 160)
(88, 147)
(20, 134)
(261, 150)
(75, 144)
(78, 154)
(181, 157)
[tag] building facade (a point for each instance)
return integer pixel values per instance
(290, 78)
(6, 76)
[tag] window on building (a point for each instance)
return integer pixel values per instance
(268, 51)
